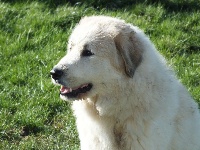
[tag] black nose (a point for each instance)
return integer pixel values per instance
(56, 73)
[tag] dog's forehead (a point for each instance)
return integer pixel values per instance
(96, 27)
(88, 38)
(96, 32)
(84, 32)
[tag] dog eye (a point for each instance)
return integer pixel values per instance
(86, 53)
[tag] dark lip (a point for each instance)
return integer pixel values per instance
(77, 92)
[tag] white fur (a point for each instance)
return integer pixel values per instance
(149, 111)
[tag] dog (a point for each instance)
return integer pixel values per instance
(123, 94)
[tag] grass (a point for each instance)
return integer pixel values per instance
(33, 37)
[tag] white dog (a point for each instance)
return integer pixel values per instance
(124, 96)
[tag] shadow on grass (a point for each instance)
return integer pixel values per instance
(170, 6)
(30, 129)
(16, 136)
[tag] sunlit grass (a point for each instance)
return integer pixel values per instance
(33, 37)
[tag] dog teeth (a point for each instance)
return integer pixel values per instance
(84, 85)
(70, 90)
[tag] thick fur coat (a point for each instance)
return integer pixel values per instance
(124, 95)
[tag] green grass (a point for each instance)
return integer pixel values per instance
(33, 37)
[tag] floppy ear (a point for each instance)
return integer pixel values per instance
(129, 48)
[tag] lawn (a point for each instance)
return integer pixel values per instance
(33, 38)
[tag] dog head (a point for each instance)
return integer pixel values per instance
(101, 51)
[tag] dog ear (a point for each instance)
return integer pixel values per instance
(129, 48)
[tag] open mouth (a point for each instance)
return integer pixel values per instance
(74, 92)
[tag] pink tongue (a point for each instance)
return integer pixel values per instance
(64, 89)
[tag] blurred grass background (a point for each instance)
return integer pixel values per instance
(33, 38)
